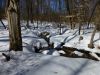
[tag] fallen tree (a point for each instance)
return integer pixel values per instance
(70, 52)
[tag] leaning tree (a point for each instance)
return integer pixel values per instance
(97, 23)
(13, 16)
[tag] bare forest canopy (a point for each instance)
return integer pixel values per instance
(56, 10)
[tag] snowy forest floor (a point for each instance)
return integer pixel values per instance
(30, 63)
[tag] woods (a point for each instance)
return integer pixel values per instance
(62, 14)
(49, 37)
(73, 13)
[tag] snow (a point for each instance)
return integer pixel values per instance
(48, 62)
(56, 53)
(71, 39)
(45, 52)
(37, 64)
(78, 53)
(18, 64)
(62, 52)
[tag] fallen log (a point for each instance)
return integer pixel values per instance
(70, 52)
(86, 54)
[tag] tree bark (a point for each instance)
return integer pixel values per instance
(91, 45)
(13, 14)
(28, 13)
(68, 3)
(31, 11)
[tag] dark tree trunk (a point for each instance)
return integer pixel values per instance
(27, 10)
(68, 3)
(31, 11)
(79, 28)
(13, 14)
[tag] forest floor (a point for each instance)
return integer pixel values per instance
(30, 63)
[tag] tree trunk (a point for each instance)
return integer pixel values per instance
(91, 45)
(27, 11)
(31, 11)
(68, 3)
(13, 14)
(79, 28)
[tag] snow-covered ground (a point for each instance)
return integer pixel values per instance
(71, 39)
(30, 63)
(37, 64)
